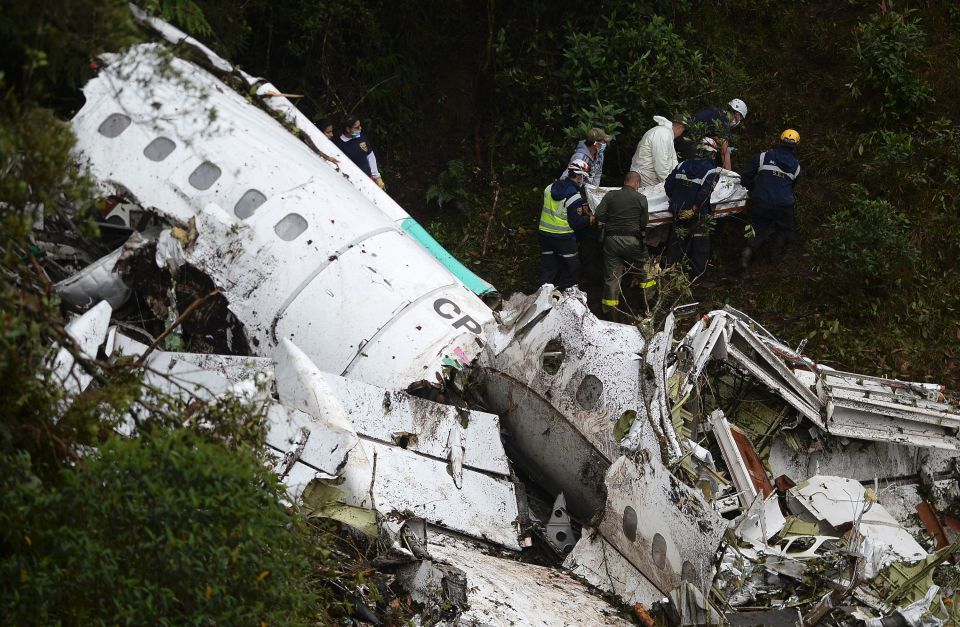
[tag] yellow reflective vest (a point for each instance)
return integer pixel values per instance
(553, 217)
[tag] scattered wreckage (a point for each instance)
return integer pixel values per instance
(720, 477)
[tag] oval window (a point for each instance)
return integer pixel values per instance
(249, 203)
(113, 125)
(290, 227)
(205, 175)
(159, 149)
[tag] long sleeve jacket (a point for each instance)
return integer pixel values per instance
(771, 175)
(655, 157)
(690, 184)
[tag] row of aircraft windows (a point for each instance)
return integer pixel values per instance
(289, 228)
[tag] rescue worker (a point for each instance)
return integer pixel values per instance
(590, 149)
(712, 122)
(689, 187)
(562, 212)
(770, 177)
(356, 146)
(656, 156)
(623, 212)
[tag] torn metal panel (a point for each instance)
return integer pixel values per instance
(706, 340)
(690, 608)
(94, 283)
(739, 473)
(745, 340)
(507, 592)
(484, 507)
(762, 520)
(89, 331)
(664, 528)
(559, 529)
(394, 416)
(840, 502)
(654, 386)
(601, 565)
(856, 459)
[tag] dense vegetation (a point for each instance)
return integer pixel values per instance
(473, 107)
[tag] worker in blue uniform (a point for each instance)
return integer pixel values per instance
(716, 123)
(771, 176)
(354, 143)
(563, 214)
(689, 188)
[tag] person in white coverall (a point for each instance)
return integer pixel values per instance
(656, 156)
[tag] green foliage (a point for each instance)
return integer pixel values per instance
(186, 14)
(455, 186)
(167, 529)
(864, 248)
(889, 47)
(45, 47)
(616, 76)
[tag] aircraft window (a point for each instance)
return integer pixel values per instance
(204, 176)
(290, 227)
(553, 354)
(159, 149)
(588, 394)
(249, 203)
(630, 523)
(659, 550)
(115, 124)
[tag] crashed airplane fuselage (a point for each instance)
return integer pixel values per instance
(345, 302)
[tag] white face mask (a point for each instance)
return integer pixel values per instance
(355, 134)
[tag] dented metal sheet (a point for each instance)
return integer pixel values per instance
(94, 283)
(396, 417)
(507, 592)
(484, 507)
(739, 473)
(89, 331)
(840, 502)
(601, 565)
(663, 527)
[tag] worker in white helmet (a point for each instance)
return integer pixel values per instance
(713, 122)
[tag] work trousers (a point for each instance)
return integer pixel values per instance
(694, 244)
(559, 262)
(771, 222)
(621, 254)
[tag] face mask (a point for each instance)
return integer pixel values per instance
(602, 148)
(355, 134)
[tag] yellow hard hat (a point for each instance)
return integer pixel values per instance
(791, 136)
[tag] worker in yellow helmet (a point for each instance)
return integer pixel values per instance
(770, 177)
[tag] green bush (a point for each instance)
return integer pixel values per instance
(165, 530)
(865, 248)
(889, 47)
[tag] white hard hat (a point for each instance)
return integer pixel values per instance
(579, 166)
(739, 106)
(708, 144)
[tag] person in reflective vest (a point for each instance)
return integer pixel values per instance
(562, 213)
(771, 176)
(624, 214)
(689, 188)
